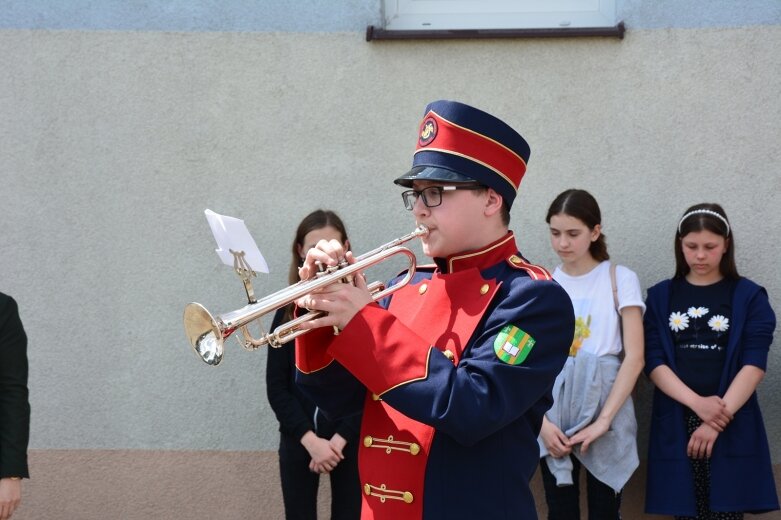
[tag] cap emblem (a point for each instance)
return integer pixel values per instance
(428, 131)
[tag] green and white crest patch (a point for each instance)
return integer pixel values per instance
(513, 345)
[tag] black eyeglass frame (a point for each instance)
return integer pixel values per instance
(411, 196)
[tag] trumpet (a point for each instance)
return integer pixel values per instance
(207, 333)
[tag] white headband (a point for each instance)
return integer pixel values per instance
(706, 212)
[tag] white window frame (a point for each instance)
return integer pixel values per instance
(432, 15)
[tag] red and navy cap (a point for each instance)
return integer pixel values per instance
(458, 143)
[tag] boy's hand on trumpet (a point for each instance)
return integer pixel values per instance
(327, 253)
(341, 301)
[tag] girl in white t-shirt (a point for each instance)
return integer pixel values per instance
(592, 421)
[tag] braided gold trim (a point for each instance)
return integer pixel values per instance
(390, 444)
(387, 494)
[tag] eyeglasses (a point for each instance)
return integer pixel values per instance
(432, 196)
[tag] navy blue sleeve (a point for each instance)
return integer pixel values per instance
(482, 394)
(653, 330)
(758, 331)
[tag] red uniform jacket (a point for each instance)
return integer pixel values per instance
(458, 370)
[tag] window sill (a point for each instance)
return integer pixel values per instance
(376, 33)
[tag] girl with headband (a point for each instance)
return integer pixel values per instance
(707, 336)
(592, 421)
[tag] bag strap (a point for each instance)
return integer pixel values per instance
(614, 286)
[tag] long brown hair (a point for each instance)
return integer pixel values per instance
(581, 205)
(318, 219)
(700, 217)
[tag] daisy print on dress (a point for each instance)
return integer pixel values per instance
(718, 323)
(697, 312)
(678, 321)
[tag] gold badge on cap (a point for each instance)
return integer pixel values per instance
(428, 131)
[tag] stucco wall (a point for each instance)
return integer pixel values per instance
(113, 144)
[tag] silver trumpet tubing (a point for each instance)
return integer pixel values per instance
(207, 333)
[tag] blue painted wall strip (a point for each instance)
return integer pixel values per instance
(330, 15)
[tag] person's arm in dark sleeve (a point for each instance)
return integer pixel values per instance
(350, 427)
(758, 332)
(654, 351)
(293, 418)
(14, 398)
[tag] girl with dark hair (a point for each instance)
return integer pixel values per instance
(310, 444)
(708, 332)
(592, 422)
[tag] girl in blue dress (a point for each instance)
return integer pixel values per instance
(707, 336)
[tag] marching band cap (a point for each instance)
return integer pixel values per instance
(458, 143)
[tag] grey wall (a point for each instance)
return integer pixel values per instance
(121, 122)
(114, 143)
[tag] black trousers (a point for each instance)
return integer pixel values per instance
(564, 502)
(299, 485)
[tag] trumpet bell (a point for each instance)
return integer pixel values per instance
(204, 333)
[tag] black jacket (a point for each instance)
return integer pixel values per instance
(295, 412)
(14, 403)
